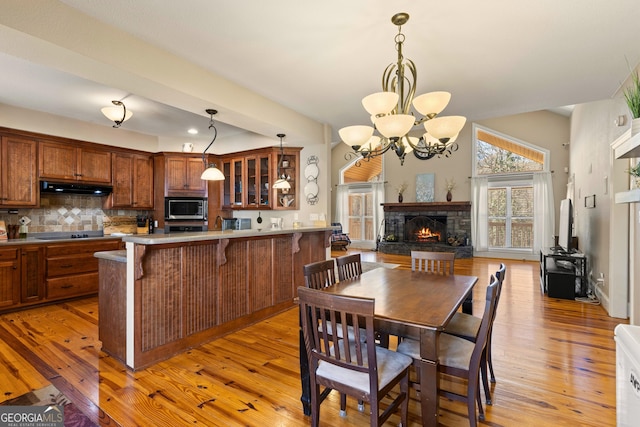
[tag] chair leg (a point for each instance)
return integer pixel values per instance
(473, 396)
(490, 361)
(480, 408)
(485, 382)
(343, 405)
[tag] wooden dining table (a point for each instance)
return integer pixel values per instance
(408, 304)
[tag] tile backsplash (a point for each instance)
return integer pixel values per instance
(66, 213)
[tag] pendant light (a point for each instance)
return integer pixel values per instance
(281, 183)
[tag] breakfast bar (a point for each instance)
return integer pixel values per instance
(167, 293)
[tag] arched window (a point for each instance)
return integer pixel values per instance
(512, 194)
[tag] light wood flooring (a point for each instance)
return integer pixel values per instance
(554, 362)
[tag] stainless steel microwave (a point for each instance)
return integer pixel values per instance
(185, 208)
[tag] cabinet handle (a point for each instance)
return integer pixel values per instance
(66, 286)
(66, 266)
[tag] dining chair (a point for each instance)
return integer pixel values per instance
(350, 366)
(433, 262)
(349, 266)
(467, 326)
(462, 358)
(320, 274)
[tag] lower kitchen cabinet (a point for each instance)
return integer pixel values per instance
(9, 277)
(72, 270)
(34, 274)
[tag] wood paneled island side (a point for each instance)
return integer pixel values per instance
(170, 292)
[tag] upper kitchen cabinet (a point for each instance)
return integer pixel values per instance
(132, 181)
(286, 199)
(18, 173)
(68, 162)
(249, 177)
(179, 174)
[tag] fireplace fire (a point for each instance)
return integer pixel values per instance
(425, 228)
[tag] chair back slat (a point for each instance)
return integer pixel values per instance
(321, 274)
(349, 266)
(433, 262)
(321, 310)
(487, 320)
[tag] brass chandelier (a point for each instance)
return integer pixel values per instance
(392, 118)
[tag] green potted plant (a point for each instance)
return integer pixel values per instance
(634, 171)
(632, 96)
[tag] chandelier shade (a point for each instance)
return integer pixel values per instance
(394, 125)
(432, 103)
(392, 118)
(356, 135)
(380, 103)
(445, 127)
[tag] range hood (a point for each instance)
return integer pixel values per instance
(74, 188)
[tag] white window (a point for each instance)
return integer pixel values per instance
(512, 194)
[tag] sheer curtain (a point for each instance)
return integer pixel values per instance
(342, 203)
(479, 232)
(378, 199)
(544, 215)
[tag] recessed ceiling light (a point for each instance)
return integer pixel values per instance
(193, 131)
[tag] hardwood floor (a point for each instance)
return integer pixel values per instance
(554, 362)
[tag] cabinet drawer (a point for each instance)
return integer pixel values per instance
(65, 287)
(71, 265)
(89, 248)
(8, 254)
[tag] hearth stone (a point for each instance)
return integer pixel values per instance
(405, 248)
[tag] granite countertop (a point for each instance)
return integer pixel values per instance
(158, 239)
(119, 256)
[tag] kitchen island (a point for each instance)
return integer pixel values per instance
(170, 292)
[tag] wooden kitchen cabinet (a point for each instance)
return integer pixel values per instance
(18, 172)
(249, 177)
(182, 175)
(71, 268)
(132, 181)
(31, 274)
(9, 277)
(61, 161)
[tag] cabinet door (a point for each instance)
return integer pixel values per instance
(94, 165)
(18, 173)
(233, 196)
(32, 274)
(143, 182)
(57, 161)
(194, 168)
(176, 174)
(122, 195)
(9, 278)
(257, 181)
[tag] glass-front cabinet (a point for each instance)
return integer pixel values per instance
(249, 177)
(258, 181)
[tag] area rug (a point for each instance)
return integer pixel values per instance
(50, 395)
(367, 266)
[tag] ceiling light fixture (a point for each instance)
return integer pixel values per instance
(281, 183)
(392, 118)
(117, 114)
(211, 172)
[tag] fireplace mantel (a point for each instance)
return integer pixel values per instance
(426, 206)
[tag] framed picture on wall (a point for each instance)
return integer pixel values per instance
(425, 188)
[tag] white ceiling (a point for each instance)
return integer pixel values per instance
(496, 57)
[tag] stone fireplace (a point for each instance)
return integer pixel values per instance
(434, 226)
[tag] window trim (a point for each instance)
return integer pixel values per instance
(476, 127)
